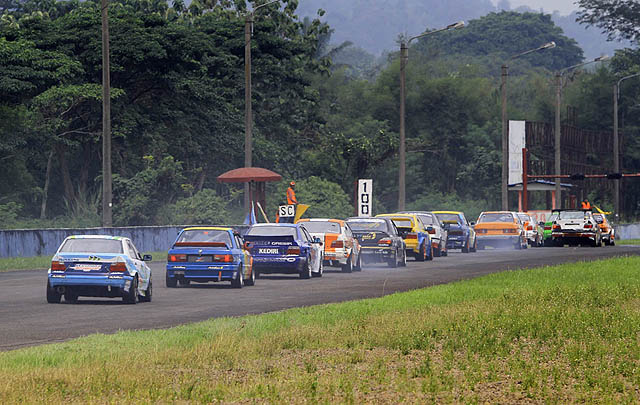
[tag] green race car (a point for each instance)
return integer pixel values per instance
(548, 228)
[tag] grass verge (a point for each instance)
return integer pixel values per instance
(43, 262)
(557, 334)
(628, 242)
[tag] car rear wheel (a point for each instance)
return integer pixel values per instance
(422, 254)
(393, 262)
(403, 262)
(305, 273)
(430, 256)
(184, 282)
(53, 297)
(320, 270)
(238, 280)
(348, 266)
(70, 296)
(465, 248)
(358, 266)
(131, 297)
(474, 248)
(171, 281)
(147, 293)
(252, 279)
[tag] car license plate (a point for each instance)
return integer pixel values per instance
(87, 267)
(268, 251)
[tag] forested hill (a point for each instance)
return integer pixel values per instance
(374, 26)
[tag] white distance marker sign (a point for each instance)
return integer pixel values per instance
(365, 197)
(285, 211)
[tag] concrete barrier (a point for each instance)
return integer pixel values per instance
(628, 231)
(44, 242)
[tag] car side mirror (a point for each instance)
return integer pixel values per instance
(472, 223)
(317, 240)
(429, 229)
(147, 258)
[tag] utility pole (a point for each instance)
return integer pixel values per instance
(616, 154)
(404, 55)
(106, 121)
(558, 138)
(505, 141)
(248, 113)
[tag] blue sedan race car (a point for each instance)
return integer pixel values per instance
(204, 254)
(284, 248)
(98, 266)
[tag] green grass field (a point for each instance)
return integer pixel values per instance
(43, 262)
(558, 334)
(628, 242)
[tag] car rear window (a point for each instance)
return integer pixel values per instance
(572, 215)
(321, 226)
(205, 235)
(496, 217)
(524, 218)
(427, 219)
(449, 217)
(403, 222)
(368, 225)
(92, 246)
(272, 231)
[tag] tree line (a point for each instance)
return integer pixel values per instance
(178, 105)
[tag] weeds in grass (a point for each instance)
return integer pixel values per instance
(558, 334)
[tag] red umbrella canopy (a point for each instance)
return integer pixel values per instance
(245, 174)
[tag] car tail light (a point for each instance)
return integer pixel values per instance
(588, 226)
(510, 230)
(530, 228)
(547, 228)
(412, 236)
(57, 266)
(247, 245)
(557, 227)
(293, 250)
(384, 242)
(177, 258)
(337, 244)
(118, 267)
(431, 231)
(223, 258)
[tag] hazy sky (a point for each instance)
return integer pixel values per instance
(549, 6)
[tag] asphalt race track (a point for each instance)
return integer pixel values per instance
(26, 319)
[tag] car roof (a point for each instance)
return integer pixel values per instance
(496, 212)
(339, 221)
(375, 219)
(111, 237)
(207, 228)
(275, 224)
(447, 212)
(397, 215)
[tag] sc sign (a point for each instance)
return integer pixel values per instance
(365, 197)
(285, 211)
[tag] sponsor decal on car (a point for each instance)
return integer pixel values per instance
(268, 251)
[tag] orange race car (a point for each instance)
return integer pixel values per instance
(608, 233)
(500, 229)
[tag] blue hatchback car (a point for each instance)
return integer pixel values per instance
(208, 253)
(284, 248)
(461, 233)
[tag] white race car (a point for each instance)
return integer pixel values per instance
(576, 227)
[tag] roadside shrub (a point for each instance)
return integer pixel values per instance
(9, 213)
(203, 208)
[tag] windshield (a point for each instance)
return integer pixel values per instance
(273, 231)
(449, 217)
(496, 217)
(367, 225)
(598, 218)
(205, 235)
(572, 215)
(553, 217)
(92, 246)
(321, 226)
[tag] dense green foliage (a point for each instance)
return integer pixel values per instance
(323, 116)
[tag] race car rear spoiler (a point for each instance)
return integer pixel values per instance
(276, 240)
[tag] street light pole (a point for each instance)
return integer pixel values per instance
(505, 124)
(558, 127)
(616, 142)
(248, 113)
(404, 57)
(106, 120)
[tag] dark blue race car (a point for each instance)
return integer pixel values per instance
(461, 233)
(284, 248)
(204, 254)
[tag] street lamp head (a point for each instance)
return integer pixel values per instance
(455, 26)
(601, 58)
(549, 45)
